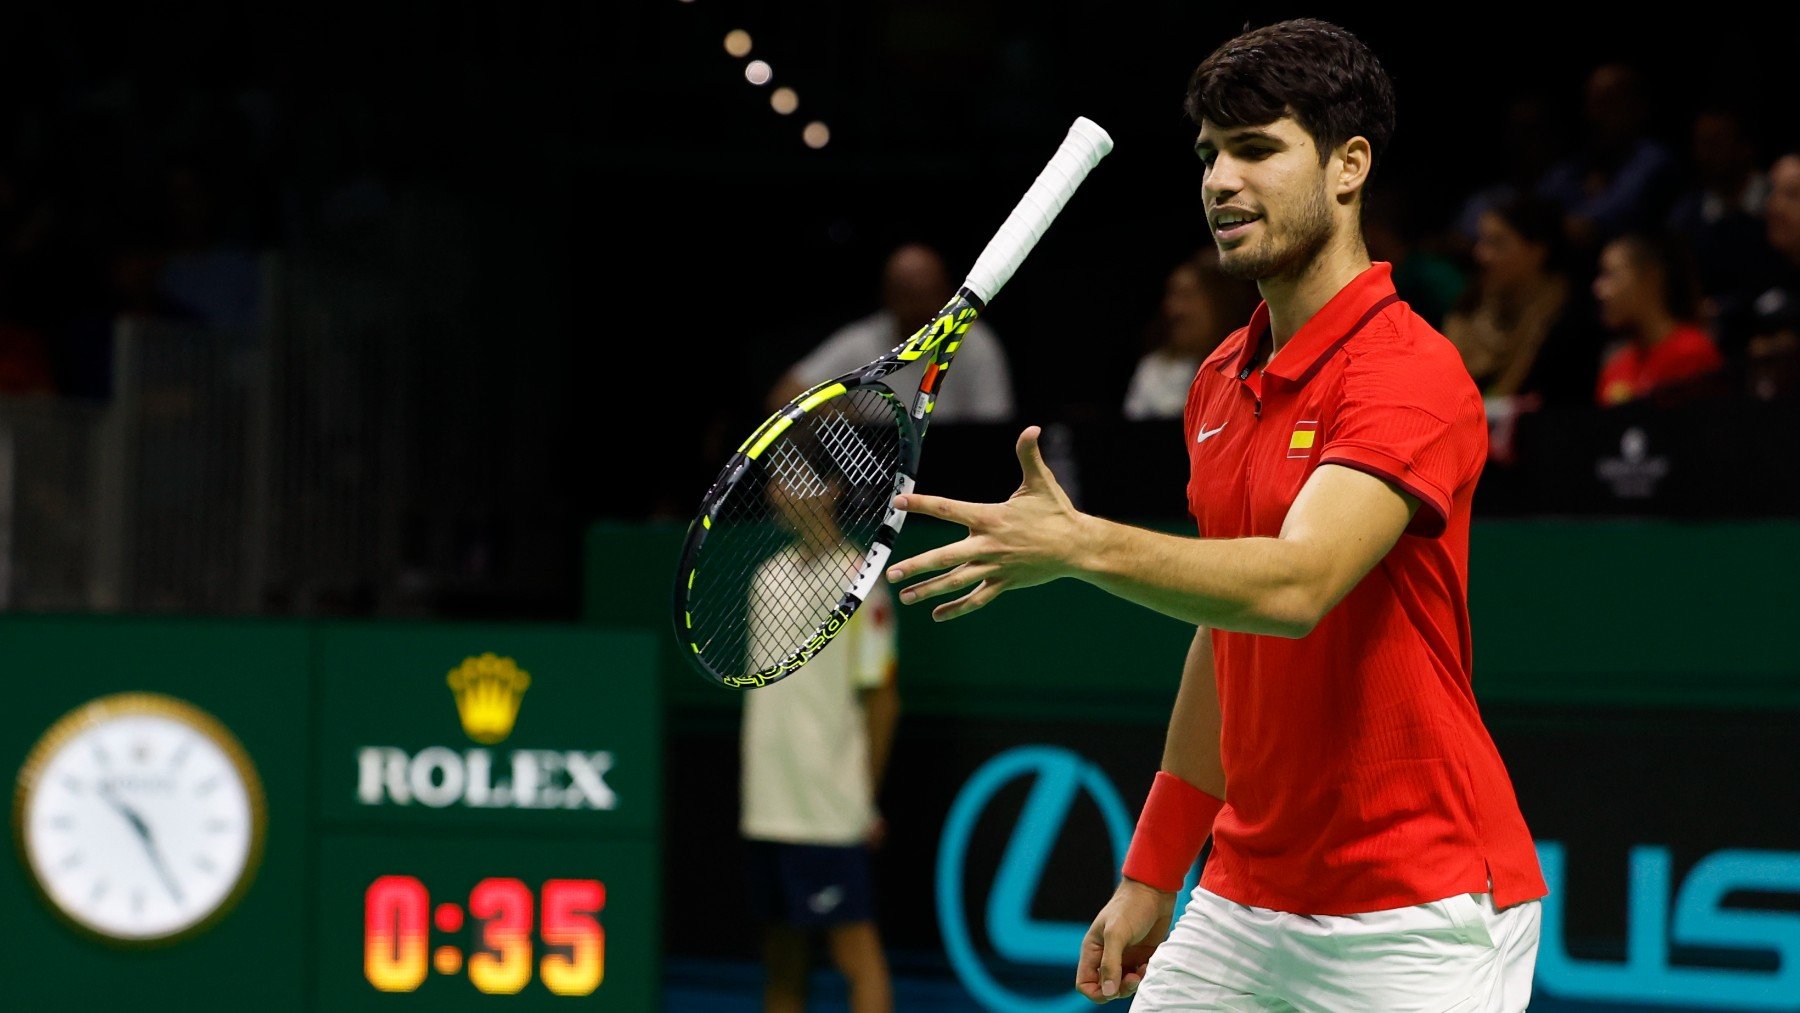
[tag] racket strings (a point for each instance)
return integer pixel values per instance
(790, 536)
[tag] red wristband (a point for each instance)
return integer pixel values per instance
(1176, 820)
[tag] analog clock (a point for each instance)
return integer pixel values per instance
(139, 817)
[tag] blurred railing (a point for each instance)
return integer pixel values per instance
(154, 500)
(344, 453)
(53, 506)
(227, 473)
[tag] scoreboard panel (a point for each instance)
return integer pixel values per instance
(453, 816)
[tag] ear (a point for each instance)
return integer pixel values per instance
(1354, 158)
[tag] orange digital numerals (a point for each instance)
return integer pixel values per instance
(397, 923)
(570, 907)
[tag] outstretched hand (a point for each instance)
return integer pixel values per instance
(1030, 539)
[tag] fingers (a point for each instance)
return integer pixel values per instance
(941, 558)
(1134, 976)
(966, 575)
(953, 510)
(1112, 943)
(1031, 457)
(987, 592)
(1087, 965)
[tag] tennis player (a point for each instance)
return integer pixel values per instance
(1368, 852)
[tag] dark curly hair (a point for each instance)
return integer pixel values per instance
(1313, 70)
(1670, 258)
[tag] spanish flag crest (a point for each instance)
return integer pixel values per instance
(1300, 443)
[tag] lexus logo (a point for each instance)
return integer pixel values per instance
(1058, 777)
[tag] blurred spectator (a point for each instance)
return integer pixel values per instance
(1774, 346)
(216, 279)
(1646, 291)
(1529, 147)
(1200, 306)
(1623, 180)
(1430, 284)
(1721, 219)
(814, 750)
(914, 286)
(1523, 329)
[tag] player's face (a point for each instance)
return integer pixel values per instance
(1271, 176)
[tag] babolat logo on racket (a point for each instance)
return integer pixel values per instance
(833, 626)
(934, 333)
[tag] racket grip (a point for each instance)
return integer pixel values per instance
(1083, 148)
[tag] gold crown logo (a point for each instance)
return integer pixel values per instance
(488, 692)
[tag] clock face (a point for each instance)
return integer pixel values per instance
(140, 817)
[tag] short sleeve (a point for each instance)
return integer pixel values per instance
(876, 656)
(1417, 425)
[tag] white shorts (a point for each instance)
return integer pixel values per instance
(1456, 954)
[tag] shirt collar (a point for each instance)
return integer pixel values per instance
(1335, 322)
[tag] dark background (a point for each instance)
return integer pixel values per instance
(537, 264)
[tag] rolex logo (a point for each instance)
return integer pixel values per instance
(488, 692)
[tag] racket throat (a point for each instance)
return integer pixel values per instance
(885, 537)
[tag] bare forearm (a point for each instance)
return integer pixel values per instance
(1191, 749)
(1252, 585)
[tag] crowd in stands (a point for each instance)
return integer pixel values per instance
(1619, 272)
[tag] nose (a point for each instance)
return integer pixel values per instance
(1223, 181)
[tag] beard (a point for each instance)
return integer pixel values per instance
(1286, 250)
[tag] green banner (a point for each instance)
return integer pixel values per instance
(1627, 613)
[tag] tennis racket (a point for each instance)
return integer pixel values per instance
(794, 533)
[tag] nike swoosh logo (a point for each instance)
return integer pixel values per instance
(1207, 435)
(825, 900)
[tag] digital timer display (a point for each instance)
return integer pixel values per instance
(398, 919)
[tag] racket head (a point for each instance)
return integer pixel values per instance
(794, 532)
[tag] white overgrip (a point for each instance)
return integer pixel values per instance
(1083, 148)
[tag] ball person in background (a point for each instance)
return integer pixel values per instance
(1368, 852)
(814, 749)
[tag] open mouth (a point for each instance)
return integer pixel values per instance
(1235, 229)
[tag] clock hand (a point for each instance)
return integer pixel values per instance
(143, 832)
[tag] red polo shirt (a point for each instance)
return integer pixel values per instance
(1359, 775)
